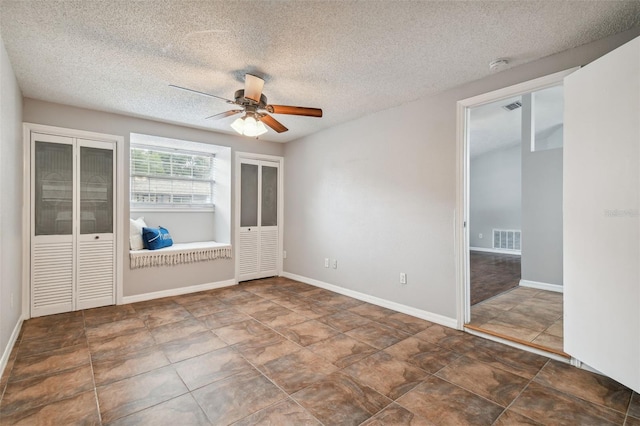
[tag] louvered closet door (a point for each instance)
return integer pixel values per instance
(52, 214)
(73, 222)
(95, 279)
(259, 232)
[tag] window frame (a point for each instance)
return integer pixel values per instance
(171, 207)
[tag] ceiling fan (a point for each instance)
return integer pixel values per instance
(253, 103)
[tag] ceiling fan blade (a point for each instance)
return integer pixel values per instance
(273, 123)
(253, 87)
(202, 93)
(294, 110)
(224, 114)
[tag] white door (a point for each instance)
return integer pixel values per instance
(259, 221)
(601, 215)
(72, 224)
(52, 212)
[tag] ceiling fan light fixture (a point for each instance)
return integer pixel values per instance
(249, 126)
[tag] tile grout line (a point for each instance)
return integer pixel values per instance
(93, 377)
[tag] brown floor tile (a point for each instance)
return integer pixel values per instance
(492, 274)
(447, 404)
(260, 306)
(342, 350)
(136, 393)
(290, 301)
(241, 331)
(278, 317)
(177, 330)
(283, 413)
(386, 374)
(50, 362)
(210, 367)
(492, 383)
(586, 385)
(194, 298)
(549, 406)
(405, 323)
(313, 310)
(206, 307)
(295, 371)
(556, 329)
(122, 343)
(372, 312)
(632, 421)
(425, 355)
(338, 301)
(161, 316)
(344, 320)
(634, 405)
(114, 328)
(50, 326)
(508, 329)
(340, 399)
(120, 366)
(377, 335)
(43, 390)
(266, 348)
(183, 410)
(308, 332)
(448, 338)
(234, 398)
(80, 409)
(108, 314)
(516, 361)
(525, 320)
(484, 311)
(511, 418)
(193, 345)
(549, 341)
(397, 415)
(65, 339)
(223, 318)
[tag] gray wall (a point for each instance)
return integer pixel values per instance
(379, 193)
(10, 202)
(541, 207)
(494, 194)
(147, 280)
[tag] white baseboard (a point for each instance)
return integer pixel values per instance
(10, 344)
(177, 291)
(418, 313)
(497, 251)
(542, 286)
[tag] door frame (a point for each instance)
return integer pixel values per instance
(239, 156)
(119, 231)
(463, 307)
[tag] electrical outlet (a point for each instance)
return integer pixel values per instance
(326, 262)
(403, 278)
(480, 236)
(284, 254)
(334, 264)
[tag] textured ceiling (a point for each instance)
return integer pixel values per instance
(350, 58)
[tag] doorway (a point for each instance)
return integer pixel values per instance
(512, 196)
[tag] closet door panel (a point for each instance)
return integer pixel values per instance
(96, 273)
(51, 277)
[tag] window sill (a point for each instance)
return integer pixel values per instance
(171, 210)
(180, 253)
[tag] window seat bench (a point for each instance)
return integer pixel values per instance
(179, 253)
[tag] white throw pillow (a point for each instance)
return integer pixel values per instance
(135, 233)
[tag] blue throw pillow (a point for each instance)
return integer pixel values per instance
(156, 238)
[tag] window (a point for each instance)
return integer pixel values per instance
(171, 178)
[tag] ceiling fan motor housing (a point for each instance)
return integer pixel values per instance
(246, 102)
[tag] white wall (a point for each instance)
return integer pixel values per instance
(494, 194)
(10, 204)
(541, 259)
(147, 280)
(378, 193)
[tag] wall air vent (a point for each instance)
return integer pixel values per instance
(507, 239)
(512, 106)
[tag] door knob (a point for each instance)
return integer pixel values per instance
(97, 237)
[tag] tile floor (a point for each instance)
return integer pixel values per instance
(279, 352)
(523, 313)
(492, 274)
